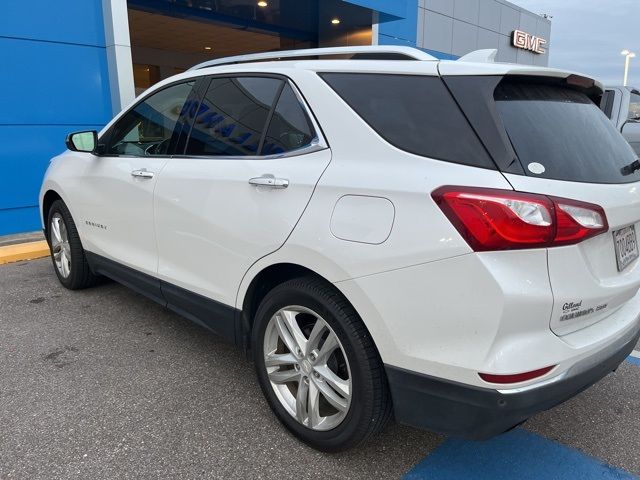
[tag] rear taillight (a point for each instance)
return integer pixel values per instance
(577, 221)
(492, 219)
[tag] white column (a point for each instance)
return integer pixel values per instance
(118, 43)
(374, 28)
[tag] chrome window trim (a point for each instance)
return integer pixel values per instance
(311, 148)
(319, 138)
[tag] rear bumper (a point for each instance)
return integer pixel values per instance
(479, 413)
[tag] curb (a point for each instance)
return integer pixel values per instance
(23, 251)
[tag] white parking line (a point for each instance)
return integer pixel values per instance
(635, 353)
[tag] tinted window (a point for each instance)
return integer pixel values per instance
(146, 130)
(415, 113)
(606, 104)
(634, 107)
(565, 131)
(232, 116)
(289, 128)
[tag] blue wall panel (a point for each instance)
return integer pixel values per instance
(398, 20)
(393, 40)
(53, 83)
(18, 220)
(441, 55)
(402, 31)
(396, 8)
(26, 151)
(25, 155)
(54, 80)
(70, 21)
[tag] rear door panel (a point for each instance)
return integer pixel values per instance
(213, 225)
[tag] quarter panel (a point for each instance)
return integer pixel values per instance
(363, 164)
(454, 317)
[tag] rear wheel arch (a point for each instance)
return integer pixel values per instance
(261, 284)
(265, 281)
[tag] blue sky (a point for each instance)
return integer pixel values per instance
(588, 35)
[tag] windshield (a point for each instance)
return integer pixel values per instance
(559, 133)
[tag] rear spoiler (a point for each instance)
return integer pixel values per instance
(487, 57)
(469, 65)
(480, 56)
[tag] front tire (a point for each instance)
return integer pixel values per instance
(68, 257)
(318, 366)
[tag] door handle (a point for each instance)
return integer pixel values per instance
(268, 180)
(142, 173)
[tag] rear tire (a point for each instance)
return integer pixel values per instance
(356, 368)
(68, 257)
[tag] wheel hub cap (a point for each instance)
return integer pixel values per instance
(306, 367)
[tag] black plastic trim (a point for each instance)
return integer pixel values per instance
(127, 276)
(215, 316)
(182, 131)
(477, 413)
(474, 95)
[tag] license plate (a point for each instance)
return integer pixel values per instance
(626, 246)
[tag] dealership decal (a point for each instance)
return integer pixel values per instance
(526, 41)
(571, 310)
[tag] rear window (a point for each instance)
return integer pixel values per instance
(414, 113)
(560, 134)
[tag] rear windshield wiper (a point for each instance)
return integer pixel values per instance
(631, 168)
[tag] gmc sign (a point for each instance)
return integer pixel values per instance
(526, 41)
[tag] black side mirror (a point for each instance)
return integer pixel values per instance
(82, 141)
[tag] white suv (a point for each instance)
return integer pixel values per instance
(450, 242)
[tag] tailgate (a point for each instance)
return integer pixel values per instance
(548, 136)
(587, 285)
(568, 148)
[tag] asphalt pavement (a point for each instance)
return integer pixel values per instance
(103, 383)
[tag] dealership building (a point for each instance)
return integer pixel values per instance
(71, 65)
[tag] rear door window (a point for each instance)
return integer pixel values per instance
(290, 128)
(233, 115)
(415, 113)
(559, 133)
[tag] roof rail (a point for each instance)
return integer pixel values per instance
(369, 52)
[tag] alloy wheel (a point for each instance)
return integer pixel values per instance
(307, 367)
(60, 245)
